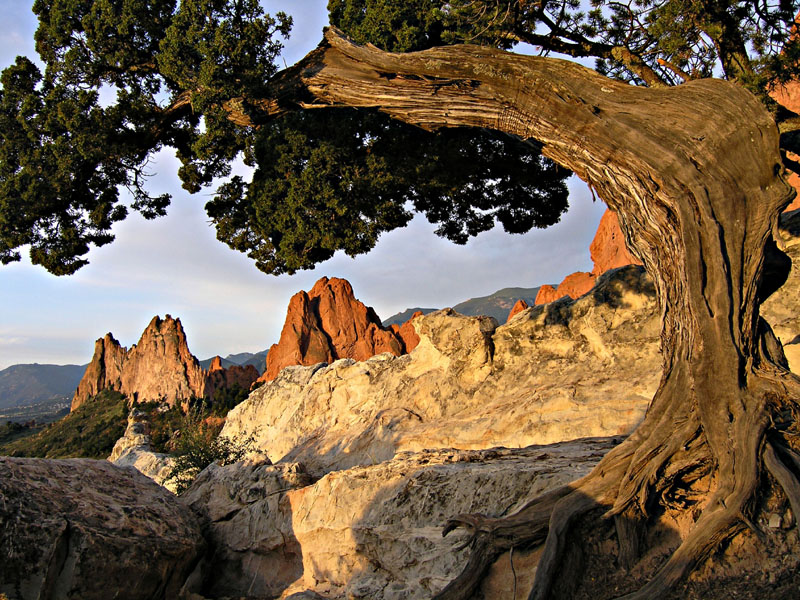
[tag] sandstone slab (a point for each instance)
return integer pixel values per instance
(133, 450)
(371, 532)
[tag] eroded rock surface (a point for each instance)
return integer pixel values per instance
(518, 307)
(104, 372)
(133, 450)
(782, 309)
(159, 367)
(371, 532)
(562, 371)
(222, 378)
(85, 529)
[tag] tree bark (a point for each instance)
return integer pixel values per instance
(695, 175)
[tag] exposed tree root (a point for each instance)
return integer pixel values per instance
(666, 466)
(784, 477)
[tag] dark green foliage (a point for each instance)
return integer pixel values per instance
(226, 398)
(335, 180)
(197, 445)
(13, 430)
(124, 79)
(749, 41)
(89, 432)
(121, 80)
(393, 25)
(164, 422)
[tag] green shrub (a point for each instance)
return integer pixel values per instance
(198, 444)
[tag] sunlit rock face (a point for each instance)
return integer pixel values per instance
(329, 323)
(570, 369)
(223, 378)
(160, 367)
(133, 450)
(371, 532)
(518, 307)
(80, 528)
(104, 372)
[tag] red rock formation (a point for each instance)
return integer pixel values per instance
(159, 367)
(608, 251)
(406, 332)
(326, 324)
(103, 373)
(547, 293)
(218, 377)
(520, 306)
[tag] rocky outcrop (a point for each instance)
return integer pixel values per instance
(219, 377)
(160, 367)
(518, 307)
(104, 372)
(133, 450)
(326, 324)
(406, 332)
(788, 94)
(371, 532)
(554, 373)
(80, 528)
(607, 250)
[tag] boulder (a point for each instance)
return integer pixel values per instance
(326, 324)
(371, 532)
(254, 551)
(133, 450)
(85, 529)
(571, 369)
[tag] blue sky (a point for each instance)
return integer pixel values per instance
(175, 265)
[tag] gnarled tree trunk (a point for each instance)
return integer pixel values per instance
(695, 176)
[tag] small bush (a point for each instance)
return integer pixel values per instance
(198, 444)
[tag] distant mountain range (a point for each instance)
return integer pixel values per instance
(495, 305)
(29, 384)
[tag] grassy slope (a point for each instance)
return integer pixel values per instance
(91, 431)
